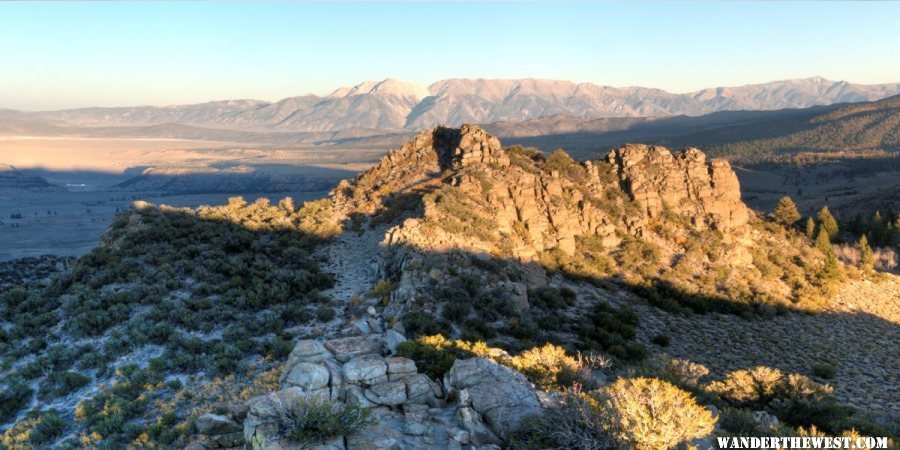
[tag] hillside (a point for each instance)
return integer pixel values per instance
(449, 297)
(12, 181)
(393, 105)
(745, 135)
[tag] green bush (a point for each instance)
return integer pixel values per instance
(325, 313)
(576, 422)
(13, 398)
(62, 383)
(421, 323)
(824, 370)
(431, 359)
(613, 330)
(36, 430)
(318, 421)
(661, 340)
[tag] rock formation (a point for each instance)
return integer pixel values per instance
(685, 183)
(452, 190)
(477, 405)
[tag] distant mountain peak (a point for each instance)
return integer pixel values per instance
(395, 105)
(389, 86)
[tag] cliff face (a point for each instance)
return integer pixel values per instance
(685, 183)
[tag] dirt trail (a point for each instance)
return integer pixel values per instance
(354, 261)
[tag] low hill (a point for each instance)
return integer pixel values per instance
(745, 135)
(12, 181)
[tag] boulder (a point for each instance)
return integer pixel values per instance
(392, 393)
(764, 419)
(421, 390)
(355, 395)
(345, 349)
(261, 427)
(227, 440)
(399, 368)
(210, 424)
(309, 376)
(393, 339)
(307, 351)
(478, 431)
(501, 395)
(369, 369)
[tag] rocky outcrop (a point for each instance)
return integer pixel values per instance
(458, 190)
(534, 205)
(409, 410)
(706, 192)
(503, 396)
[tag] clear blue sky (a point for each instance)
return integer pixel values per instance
(56, 55)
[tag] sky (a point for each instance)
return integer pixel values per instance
(65, 55)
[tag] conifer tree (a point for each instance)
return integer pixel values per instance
(786, 212)
(866, 257)
(810, 228)
(827, 222)
(832, 270)
(822, 242)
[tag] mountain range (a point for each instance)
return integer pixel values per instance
(397, 106)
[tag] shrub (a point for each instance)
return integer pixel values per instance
(456, 312)
(612, 329)
(421, 323)
(824, 370)
(312, 421)
(382, 290)
(740, 422)
(325, 313)
(647, 413)
(575, 422)
(661, 340)
(749, 387)
(434, 355)
(548, 367)
(794, 398)
(12, 399)
(62, 383)
(35, 431)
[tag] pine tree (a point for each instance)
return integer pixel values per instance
(786, 212)
(822, 242)
(878, 229)
(832, 270)
(826, 220)
(810, 228)
(866, 257)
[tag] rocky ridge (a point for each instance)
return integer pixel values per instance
(475, 406)
(459, 190)
(552, 209)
